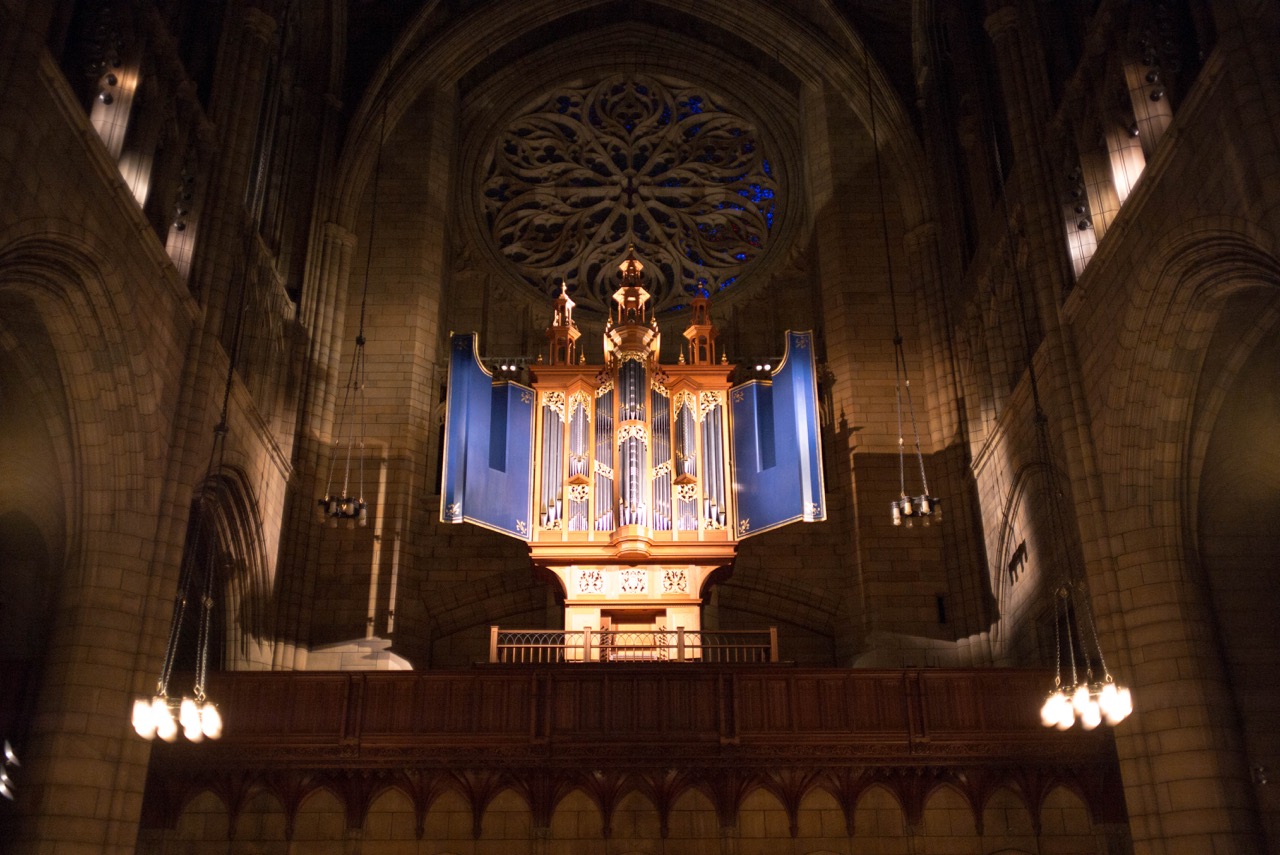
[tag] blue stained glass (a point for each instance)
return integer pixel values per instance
(768, 169)
(756, 193)
(695, 104)
(741, 256)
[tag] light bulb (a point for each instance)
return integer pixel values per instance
(1066, 716)
(1092, 716)
(1049, 712)
(143, 722)
(897, 514)
(188, 714)
(166, 727)
(1107, 698)
(211, 721)
(1122, 707)
(1080, 699)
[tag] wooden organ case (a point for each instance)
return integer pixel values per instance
(632, 481)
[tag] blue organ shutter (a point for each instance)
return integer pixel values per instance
(488, 446)
(777, 451)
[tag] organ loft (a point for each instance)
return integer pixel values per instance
(633, 480)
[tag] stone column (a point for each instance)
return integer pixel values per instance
(834, 242)
(324, 309)
(235, 108)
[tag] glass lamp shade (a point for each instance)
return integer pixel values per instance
(189, 717)
(166, 726)
(1080, 700)
(144, 722)
(1049, 711)
(1092, 715)
(1120, 708)
(211, 721)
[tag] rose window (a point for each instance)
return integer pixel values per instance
(586, 172)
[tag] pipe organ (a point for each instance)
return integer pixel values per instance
(632, 480)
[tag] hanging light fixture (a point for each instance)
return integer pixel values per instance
(1083, 687)
(907, 508)
(198, 717)
(347, 504)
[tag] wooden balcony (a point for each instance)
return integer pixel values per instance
(604, 713)
(722, 729)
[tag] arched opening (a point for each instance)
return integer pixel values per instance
(1239, 549)
(26, 610)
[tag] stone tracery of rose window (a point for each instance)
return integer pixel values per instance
(586, 172)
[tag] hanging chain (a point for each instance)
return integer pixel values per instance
(901, 378)
(352, 423)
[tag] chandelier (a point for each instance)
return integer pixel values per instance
(907, 508)
(162, 714)
(1091, 698)
(347, 504)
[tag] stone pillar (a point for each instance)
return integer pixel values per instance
(236, 107)
(323, 310)
(827, 182)
(83, 781)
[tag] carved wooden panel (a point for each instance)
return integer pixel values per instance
(681, 713)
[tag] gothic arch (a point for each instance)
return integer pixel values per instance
(228, 507)
(67, 299)
(1167, 329)
(436, 54)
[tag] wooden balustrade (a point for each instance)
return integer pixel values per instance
(544, 646)
(632, 714)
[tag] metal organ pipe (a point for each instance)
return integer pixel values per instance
(631, 377)
(604, 457)
(578, 462)
(552, 472)
(713, 480)
(661, 444)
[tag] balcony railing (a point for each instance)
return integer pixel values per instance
(545, 646)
